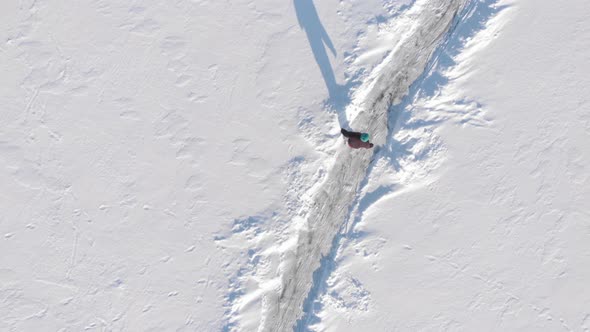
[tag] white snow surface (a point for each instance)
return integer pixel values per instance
(178, 166)
(477, 219)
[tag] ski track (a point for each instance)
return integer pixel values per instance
(423, 27)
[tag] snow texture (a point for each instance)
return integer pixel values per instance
(474, 215)
(178, 165)
(423, 29)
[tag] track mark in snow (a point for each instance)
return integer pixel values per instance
(176, 128)
(174, 48)
(140, 24)
(117, 283)
(194, 183)
(347, 294)
(103, 7)
(130, 115)
(183, 80)
(256, 276)
(424, 25)
(73, 257)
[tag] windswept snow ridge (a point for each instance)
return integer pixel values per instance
(421, 30)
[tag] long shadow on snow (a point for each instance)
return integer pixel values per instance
(319, 40)
(472, 19)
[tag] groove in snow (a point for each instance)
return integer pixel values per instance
(421, 30)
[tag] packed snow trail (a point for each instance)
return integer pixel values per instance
(420, 31)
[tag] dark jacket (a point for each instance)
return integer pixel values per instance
(354, 139)
(356, 143)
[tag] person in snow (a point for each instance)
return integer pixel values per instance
(357, 140)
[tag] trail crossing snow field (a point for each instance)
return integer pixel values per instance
(178, 165)
(421, 29)
(475, 217)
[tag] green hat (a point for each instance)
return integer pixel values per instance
(364, 137)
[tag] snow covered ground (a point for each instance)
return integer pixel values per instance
(177, 166)
(142, 143)
(476, 215)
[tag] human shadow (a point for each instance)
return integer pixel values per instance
(318, 38)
